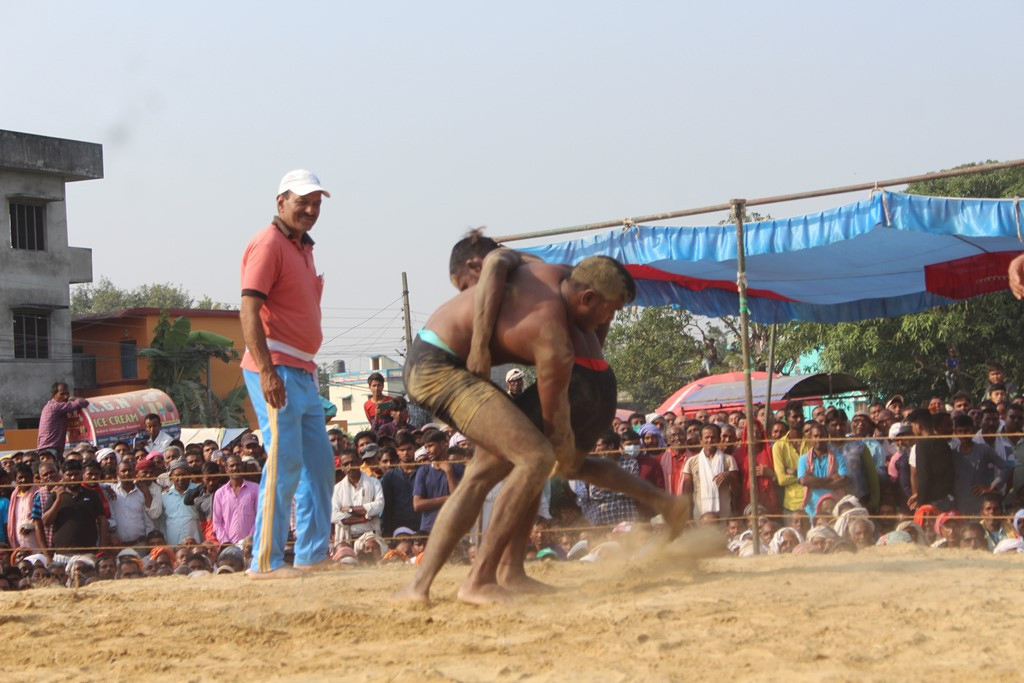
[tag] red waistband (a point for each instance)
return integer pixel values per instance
(592, 363)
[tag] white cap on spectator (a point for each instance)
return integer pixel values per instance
(39, 558)
(514, 374)
(899, 429)
(300, 182)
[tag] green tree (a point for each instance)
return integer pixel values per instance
(104, 297)
(208, 304)
(909, 354)
(179, 365)
(323, 378)
(653, 352)
(788, 347)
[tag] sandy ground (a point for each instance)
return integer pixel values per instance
(884, 614)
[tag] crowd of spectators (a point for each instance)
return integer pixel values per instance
(945, 474)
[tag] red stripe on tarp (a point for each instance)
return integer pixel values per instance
(697, 284)
(970, 276)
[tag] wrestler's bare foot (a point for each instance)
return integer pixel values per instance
(410, 593)
(321, 566)
(521, 583)
(484, 594)
(677, 516)
(284, 572)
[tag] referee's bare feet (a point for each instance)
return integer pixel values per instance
(284, 572)
(321, 566)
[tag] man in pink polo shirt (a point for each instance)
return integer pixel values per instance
(235, 504)
(281, 324)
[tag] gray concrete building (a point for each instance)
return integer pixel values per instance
(37, 268)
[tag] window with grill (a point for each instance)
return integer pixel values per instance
(28, 228)
(31, 334)
(129, 360)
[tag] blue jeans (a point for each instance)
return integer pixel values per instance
(300, 465)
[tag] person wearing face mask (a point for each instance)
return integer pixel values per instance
(644, 448)
(604, 507)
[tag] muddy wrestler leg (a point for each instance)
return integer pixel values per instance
(455, 520)
(512, 570)
(608, 475)
(501, 428)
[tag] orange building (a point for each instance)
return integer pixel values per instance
(106, 350)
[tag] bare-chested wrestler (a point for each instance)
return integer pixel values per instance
(592, 397)
(541, 306)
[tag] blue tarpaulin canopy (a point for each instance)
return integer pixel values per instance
(886, 256)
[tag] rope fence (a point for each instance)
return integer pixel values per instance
(693, 449)
(1004, 520)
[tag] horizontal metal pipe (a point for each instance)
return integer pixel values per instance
(844, 189)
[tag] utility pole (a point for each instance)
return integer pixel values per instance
(405, 305)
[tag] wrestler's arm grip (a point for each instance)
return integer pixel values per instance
(554, 359)
(487, 298)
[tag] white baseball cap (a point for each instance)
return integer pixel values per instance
(899, 429)
(300, 182)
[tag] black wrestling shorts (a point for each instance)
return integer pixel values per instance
(592, 400)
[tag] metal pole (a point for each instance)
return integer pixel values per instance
(405, 306)
(769, 413)
(844, 189)
(738, 207)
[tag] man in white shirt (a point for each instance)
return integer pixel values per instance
(358, 501)
(146, 473)
(710, 475)
(129, 507)
(153, 437)
(989, 435)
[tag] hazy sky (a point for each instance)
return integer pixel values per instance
(425, 119)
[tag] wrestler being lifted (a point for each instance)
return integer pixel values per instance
(590, 294)
(593, 395)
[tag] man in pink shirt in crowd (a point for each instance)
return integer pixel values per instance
(234, 505)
